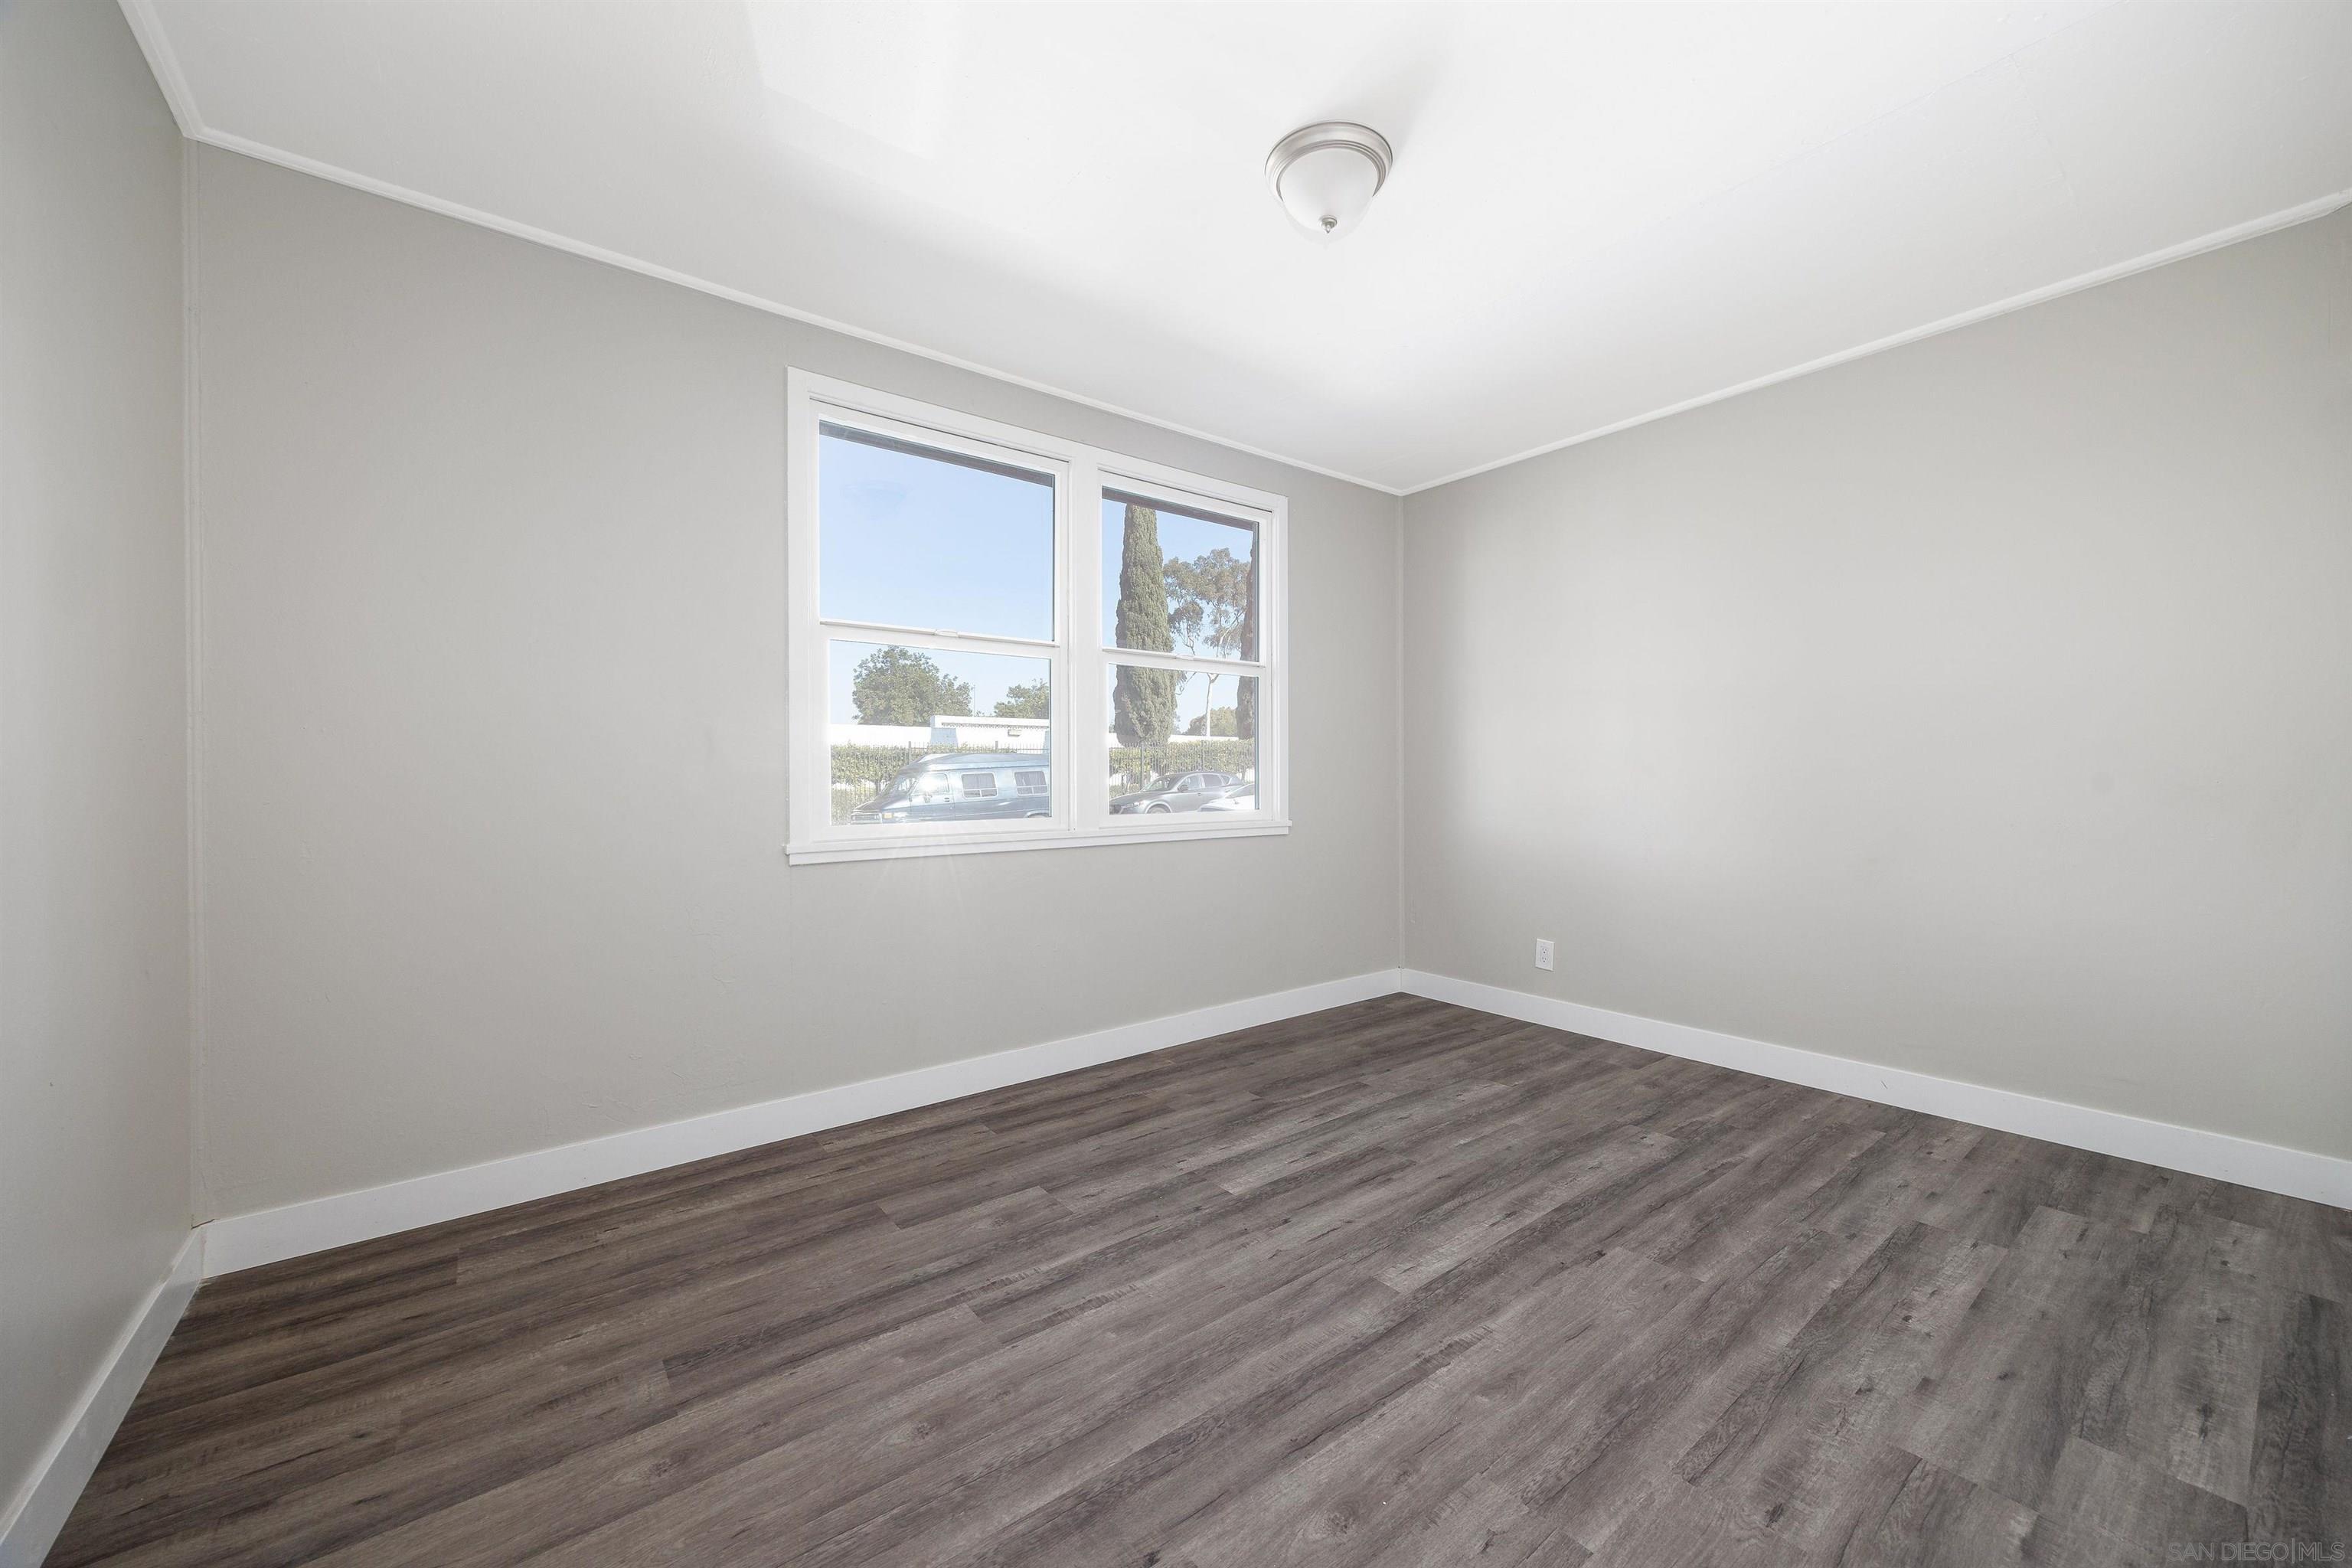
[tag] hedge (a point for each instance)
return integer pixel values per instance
(1138, 765)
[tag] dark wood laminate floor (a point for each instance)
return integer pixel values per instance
(1394, 1284)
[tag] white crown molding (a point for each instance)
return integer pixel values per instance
(2297, 1172)
(148, 28)
(2253, 228)
(554, 241)
(156, 43)
(164, 63)
(30, 1525)
(268, 1236)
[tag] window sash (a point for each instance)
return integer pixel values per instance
(1078, 762)
(1189, 663)
(938, 642)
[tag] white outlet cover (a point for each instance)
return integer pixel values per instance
(1543, 953)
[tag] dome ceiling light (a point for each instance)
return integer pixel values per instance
(1325, 175)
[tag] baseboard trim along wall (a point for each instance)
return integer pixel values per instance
(268, 1236)
(30, 1526)
(2295, 1171)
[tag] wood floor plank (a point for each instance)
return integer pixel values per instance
(2125, 1503)
(1398, 1283)
(2300, 1487)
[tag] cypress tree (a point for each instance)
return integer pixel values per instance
(1143, 701)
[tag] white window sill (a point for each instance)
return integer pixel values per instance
(826, 853)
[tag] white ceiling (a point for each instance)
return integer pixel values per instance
(1599, 212)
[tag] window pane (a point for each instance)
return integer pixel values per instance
(1182, 742)
(923, 737)
(1176, 581)
(908, 536)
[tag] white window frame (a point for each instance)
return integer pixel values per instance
(1079, 758)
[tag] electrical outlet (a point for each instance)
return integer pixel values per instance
(1543, 953)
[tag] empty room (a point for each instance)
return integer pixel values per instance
(802, 784)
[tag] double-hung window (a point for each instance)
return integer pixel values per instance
(1002, 640)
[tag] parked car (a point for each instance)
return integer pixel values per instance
(1233, 800)
(963, 786)
(1178, 792)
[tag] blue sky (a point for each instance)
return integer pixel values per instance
(916, 542)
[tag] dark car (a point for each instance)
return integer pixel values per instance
(963, 786)
(1178, 792)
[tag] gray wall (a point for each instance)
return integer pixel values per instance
(1983, 707)
(492, 562)
(93, 718)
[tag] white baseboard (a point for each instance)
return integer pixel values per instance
(2296, 1172)
(30, 1525)
(268, 1236)
(248, 1240)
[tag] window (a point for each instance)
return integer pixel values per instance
(1001, 639)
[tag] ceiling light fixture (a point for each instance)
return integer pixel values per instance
(1326, 175)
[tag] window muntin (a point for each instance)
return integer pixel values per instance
(1026, 694)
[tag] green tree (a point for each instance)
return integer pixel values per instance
(1221, 721)
(1143, 701)
(1208, 599)
(1212, 606)
(1023, 701)
(900, 686)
